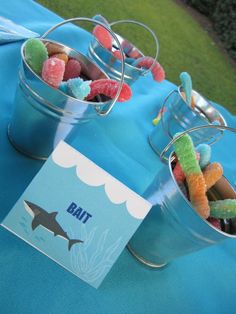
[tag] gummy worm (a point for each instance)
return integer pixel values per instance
(223, 208)
(196, 184)
(215, 222)
(192, 100)
(205, 154)
(158, 72)
(178, 172)
(159, 116)
(109, 88)
(186, 82)
(103, 36)
(212, 173)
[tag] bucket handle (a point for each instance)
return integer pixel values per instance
(86, 19)
(211, 126)
(150, 31)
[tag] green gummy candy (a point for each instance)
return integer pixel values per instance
(223, 208)
(35, 54)
(186, 154)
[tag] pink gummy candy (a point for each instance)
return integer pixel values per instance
(72, 70)
(215, 222)
(109, 88)
(103, 36)
(117, 54)
(178, 172)
(134, 54)
(158, 72)
(53, 71)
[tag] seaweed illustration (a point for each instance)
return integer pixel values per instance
(91, 267)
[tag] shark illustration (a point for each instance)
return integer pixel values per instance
(48, 221)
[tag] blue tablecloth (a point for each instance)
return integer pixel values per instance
(202, 282)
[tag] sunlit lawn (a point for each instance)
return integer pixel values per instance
(184, 45)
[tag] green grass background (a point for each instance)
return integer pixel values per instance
(184, 44)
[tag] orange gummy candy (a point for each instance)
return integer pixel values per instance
(212, 173)
(61, 56)
(197, 194)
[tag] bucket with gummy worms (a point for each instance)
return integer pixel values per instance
(188, 214)
(178, 116)
(46, 113)
(107, 55)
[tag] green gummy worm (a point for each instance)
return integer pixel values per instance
(223, 208)
(186, 154)
(35, 54)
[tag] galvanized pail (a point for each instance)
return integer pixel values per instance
(173, 228)
(111, 65)
(178, 116)
(45, 115)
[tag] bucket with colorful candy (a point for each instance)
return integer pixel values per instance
(194, 205)
(59, 88)
(105, 52)
(183, 109)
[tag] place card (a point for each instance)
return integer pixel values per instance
(77, 214)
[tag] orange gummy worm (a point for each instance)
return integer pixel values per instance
(212, 173)
(197, 194)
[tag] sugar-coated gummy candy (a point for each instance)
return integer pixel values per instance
(192, 99)
(178, 172)
(156, 120)
(62, 56)
(185, 152)
(205, 154)
(53, 48)
(109, 88)
(72, 70)
(223, 208)
(79, 88)
(117, 54)
(64, 87)
(35, 54)
(215, 222)
(158, 72)
(53, 71)
(103, 36)
(212, 173)
(134, 54)
(186, 83)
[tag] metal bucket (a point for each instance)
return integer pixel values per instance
(111, 65)
(179, 117)
(173, 228)
(45, 115)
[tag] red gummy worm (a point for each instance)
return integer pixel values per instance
(109, 88)
(103, 36)
(158, 72)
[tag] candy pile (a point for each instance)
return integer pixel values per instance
(131, 56)
(61, 71)
(195, 175)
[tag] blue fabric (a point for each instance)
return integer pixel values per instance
(202, 282)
